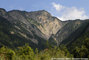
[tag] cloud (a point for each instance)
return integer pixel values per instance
(58, 7)
(70, 13)
(73, 13)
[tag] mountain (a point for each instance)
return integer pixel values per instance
(34, 28)
(80, 46)
(37, 28)
(70, 31)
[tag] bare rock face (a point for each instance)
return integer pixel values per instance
(43, 20)
(49, 24)
(50, 27)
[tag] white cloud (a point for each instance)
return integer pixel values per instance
(73, 13)
(58, 7)
(70, 13)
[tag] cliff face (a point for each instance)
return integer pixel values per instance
(49, 24)
(43, 20)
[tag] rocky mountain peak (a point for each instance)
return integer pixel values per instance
(48, 24)
(41, 12)
(2, 11)
(42, 19)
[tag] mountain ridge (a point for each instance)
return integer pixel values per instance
(38, 27)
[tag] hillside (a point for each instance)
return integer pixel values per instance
(80, 46)
(39, 29)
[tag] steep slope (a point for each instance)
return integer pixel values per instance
(33, 27)
(17, 17)
(43, 20)
(70, 31)
(75, 36)
(77, 33)
(50, 24)
(80, 46)
(37, 28)
(21, 32)
(13, 38)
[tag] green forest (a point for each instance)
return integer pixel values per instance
(80, 46)
(27, 53)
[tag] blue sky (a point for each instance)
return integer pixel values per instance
(63, 9)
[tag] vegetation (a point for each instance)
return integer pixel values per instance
(12, 44)
(27, 53)
(80, 47)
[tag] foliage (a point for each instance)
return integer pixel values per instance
(80, 47)
(27, 53)
(7, 53)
